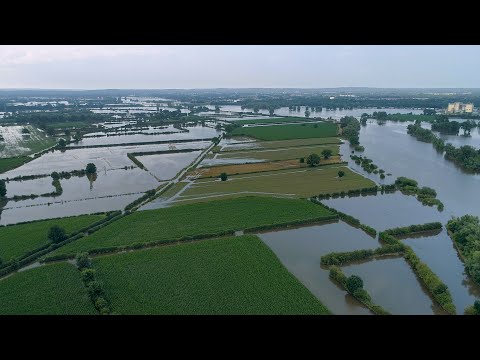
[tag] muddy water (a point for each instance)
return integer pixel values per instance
(393, 285)
(28, 187)
(166, 166)
(300, 250)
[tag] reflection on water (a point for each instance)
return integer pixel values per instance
(300, 251)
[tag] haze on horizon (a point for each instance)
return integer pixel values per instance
(238, 66)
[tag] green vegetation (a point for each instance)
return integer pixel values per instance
(7, 164)
(299, 183)
(48, 290)
(473, 309)
(342, 258)
(223, 176)
(413, 229)
(382, 115)
(341, 173)
(354, 285)
(295, 143)
(272, 120)
(3, 189)
(426, 195)
(286, 132)
(350, 129)
(276, 154)
(18, 240)
(56, 234)
(465, 156)
(313, 159)
(465, 232)
(91, 168)
(435, 286)
(239, 275)
(197, 220)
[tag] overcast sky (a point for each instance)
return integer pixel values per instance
(198, 66)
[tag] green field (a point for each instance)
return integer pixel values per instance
(279, 154)
(16, 240)
(273, 120)
(197, 219)
(237, 275)
(296, 182)
(7, 164)
(48, 290)
(286, 132)
(173, 190)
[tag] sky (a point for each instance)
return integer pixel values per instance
(237, 66)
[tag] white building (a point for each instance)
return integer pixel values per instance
(458, 107)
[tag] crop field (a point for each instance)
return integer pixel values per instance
(173, 190)
(259, 145)
(280, 154)
(197, 219)
(245, 168)
(55, 289)
(15, 143)
(273, 120)
(304, 182)
(12, 163)
(16, 240)
(286, 132)
(237, 275)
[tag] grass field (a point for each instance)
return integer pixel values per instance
(297, 182)
(238, 275)
(273, 120)
(173, 190)
(259, 145)
(16, 240)
(7, 164)
(197, 219)
(286, 132)
(48, 290)
(280, 154)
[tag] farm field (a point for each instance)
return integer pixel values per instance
(15, 143)
(55, 289)
(7, 164)
(237, 275)
(273, 120)
(303, 182)
(198, 219)
(280, 154)
(254, 145)
(286, 132)
(16, 240)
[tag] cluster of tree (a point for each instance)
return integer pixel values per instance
(427, 196)
(350, 129)
(3, 188)
(407, 230)
(473, 309)
(465, 232)
(43, 119)
(368, 165)
(94, 287)
(444, 126)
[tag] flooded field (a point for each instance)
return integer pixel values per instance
(166, 166)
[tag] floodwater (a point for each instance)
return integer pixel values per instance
(194, 132)
(166, 166)
(300, 251)
(28, 187)
(393, 285)
(66, 208)
(334, 114)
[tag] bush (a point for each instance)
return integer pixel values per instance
(353, 283)
(223, 176)
(56, 234)
(82, 260)
(337, 275)
(362, 295)
(95, 289)
(88, 275)
(313, 159)
(302, 160)
(341, 173)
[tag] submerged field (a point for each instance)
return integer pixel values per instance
(16, 144)
(16, 240)
(304, 182)
(48, 290)
(238, 275)
(198, 219)
(286, 132)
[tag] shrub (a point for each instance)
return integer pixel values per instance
(353, 283)
(56, 234)
(362, 295)
(223, 176)
(82, 261)
(88, 275)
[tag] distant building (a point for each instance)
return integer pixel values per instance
(458, 107)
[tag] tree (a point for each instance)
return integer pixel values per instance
(217, 108)
(341, 173)
(353, 283)
(62, 143)
(82, 260)
(476, 306)
(307, 113)
(3, 188)
(55, 175)
(25, 131)
(223, 176)
(56, 234)
(302, 160)
(327, 153)
(218, 127)
(91, 168)
(271, 111)
(256, 109)
(313, 159)
(67, 132)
